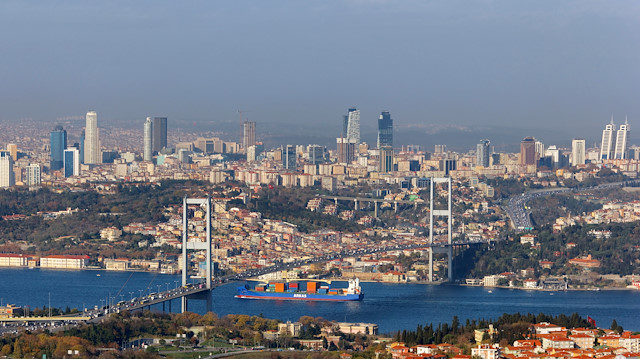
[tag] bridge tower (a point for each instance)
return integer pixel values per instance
(441, 213)
(187, 245)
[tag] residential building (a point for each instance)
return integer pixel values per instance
(92, 154)
(33, 175)
(57, 145)
(485, 351)
(385, 130)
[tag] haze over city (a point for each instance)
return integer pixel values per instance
(538, 68)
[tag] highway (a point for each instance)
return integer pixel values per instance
(521, 217)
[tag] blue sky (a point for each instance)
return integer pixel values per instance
(521, 64)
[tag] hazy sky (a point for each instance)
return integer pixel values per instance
(521, 64)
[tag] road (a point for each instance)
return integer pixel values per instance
(521, 217)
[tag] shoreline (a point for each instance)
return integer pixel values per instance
(591, 289)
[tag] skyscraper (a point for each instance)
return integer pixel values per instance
(621, 141)
(353, 125)
(289, 157)
(578, 150)
(315, 153)
(483, 153)
(33, 175)
(607, 141)
(385, 130)
(13, 150)
(346, 150)
(71, 162)
(7, 176)
(159, 134)
(248, 134)
(345, 122)
(148, 139)
(386, 159)
(528, 151)
(92, 154)
(58, 142)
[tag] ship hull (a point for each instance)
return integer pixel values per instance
(244, 293)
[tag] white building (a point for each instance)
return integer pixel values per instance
(148, 133)
(13, 260)
(7, 176)
(485, 351)
(353, 126)
(33, 175)
(607, 141)
(92, 154)
(64, 262)
(621, 142)
(578, 149)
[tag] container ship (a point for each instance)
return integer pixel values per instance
(310, 290)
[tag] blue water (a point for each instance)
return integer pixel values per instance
(392, 306)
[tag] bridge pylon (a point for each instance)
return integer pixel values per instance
(187, 245)
(444, 213)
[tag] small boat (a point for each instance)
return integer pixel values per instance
(97, 275)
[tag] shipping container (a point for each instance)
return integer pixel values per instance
(311, 287)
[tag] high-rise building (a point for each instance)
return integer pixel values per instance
(621, 142)
(71, 162)
(33, 175)
(440, 149)
(254, 152)
(353, 125)
(315, 154)
(386, 159)
(289, 157)
(483, 153)
(92, 154)
(578, 150)
(528, 151)
(385, 130)
(148, 140)
(448, 165)
(58, 142)
(345, 122)
(13, 151)
(81, 147)
(7, 176)
(159, 140)
(607, 141)
(248, 134)
(346, 150)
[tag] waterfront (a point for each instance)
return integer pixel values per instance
(392, 306)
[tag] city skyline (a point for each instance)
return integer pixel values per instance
(522, 64)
